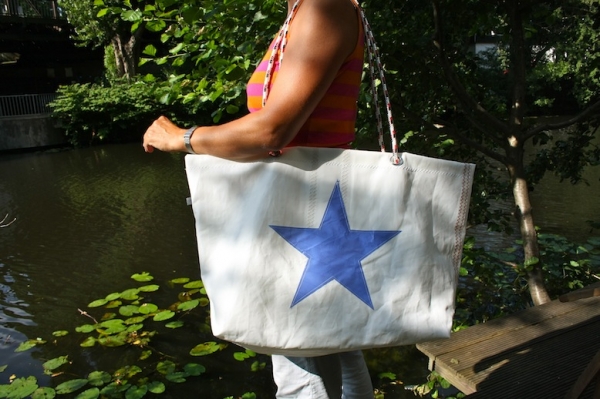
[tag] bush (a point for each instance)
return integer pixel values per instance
(493, 284)
(121, 112)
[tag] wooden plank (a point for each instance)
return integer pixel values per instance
(497, 327)
(472, 358)
(589, 373)
(544, 370)
(580, 294)
(501, 326)
(465, 358)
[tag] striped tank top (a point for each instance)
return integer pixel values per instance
(332, 123)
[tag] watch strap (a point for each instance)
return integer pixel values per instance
(186, 139)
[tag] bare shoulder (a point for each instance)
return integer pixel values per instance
(328, 20)
(342, 10)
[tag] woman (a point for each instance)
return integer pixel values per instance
(311, 102)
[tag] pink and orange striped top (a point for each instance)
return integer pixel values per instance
(332, 123)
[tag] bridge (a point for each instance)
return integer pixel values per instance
(25, 123)
(36, 56)
(36, 51)
(31, 11)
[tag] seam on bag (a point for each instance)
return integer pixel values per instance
(462, 216)
(312, 199)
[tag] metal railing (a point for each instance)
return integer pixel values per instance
(31, 9)
(26, 104)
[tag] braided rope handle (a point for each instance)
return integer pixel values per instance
(374, 63)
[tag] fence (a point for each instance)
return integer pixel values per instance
(26, 104)
(31, 9)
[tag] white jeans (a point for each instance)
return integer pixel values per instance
(341, 375)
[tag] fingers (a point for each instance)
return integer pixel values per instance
(159, 135)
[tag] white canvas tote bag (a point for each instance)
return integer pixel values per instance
(327, 250)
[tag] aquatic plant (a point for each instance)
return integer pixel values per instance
(125, 319)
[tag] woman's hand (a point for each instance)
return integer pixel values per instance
(164, 135)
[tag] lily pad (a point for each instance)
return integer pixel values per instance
(60, 333)
(129, 310)
(194, 284)
(86, 328)
(55, 363)
(156, 387)
(20, 388)
(97, 303)
(112, 341)
(145, 354)
(188, 305)
(130, 294)
(166, 367)
(88, 343)
(134, 327)
(44, 393)
(178, 377)
(135, 320)
(127, 372)
(164, 315)
(71, 386)
(181, 280)
(91, 393)
(136, 392)
(207, 348)
(194, 369)
(113, 304)
(141, 277)
(175, 324)
(148, 308)
(113, 296)
(99, 378)
(113, 326)
(24, 346)
(114, 388)
(149, 288)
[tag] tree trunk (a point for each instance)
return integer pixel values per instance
(520, 58)
(524, 215)
(125, 55)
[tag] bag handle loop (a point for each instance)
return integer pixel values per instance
(375, 67)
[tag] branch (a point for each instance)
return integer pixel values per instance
(518, 60)
(485, 131)
(2, 224)
(453, 132)
(84, 313)
(584, 115)
(466, 101)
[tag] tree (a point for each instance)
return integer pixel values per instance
(547, 51)
(453, 101)
(110, 24)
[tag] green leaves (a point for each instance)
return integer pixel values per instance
(207, 348)
(55, 363)
(31, 343)
(19, 388)
(142, 277)
(71, 386)
(129, 328)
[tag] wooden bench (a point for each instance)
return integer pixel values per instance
(540, 352)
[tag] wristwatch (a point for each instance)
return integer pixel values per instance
(186, 139)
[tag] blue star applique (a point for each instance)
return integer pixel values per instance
(334, 251)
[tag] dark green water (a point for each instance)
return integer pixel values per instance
(86, 220)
